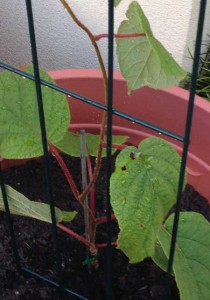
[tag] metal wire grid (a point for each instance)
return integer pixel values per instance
(110, 112)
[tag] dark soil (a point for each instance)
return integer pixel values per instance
(36, 247)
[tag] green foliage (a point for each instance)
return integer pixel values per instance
(20, 134)
(143, 188)
(20, 130)
(192, 256)
(20, 205)
(144, 184)
(70, 144)
(143, 60)
(203, 79)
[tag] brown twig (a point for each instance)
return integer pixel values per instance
(105, 80)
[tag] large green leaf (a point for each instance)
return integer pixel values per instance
(70, 144)
(143, 188)
(20, 205)
(143, 60)
(20, 134)
(192, 255)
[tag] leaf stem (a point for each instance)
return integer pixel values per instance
(105, 245)
(102, 220)
(77, 236)
(119, 35)
(115, 146)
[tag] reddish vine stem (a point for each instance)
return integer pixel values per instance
(119, 35)
(78, 237)
(105, 80)
(92, 195)
(68, 176)
(102, 220)
(105, 245)
(103, 122)
(65, 170)
(115, 146)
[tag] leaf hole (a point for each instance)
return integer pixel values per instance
(132, 155)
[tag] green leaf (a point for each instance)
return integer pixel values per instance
(143, 188)
(20, 134)
(192, 255)
(159, 257)
(143, 60)
(116, 2)
(20, 205)
(70, 144)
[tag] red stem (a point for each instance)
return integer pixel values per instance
(102, 220)
(105, 245)
(119, 35)
(116, 146)
(77, 236)
(65, 170)
(92, 195)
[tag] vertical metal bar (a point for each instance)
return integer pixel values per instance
(44, 135)
(109, 145)
(9, 220)
(186, 137)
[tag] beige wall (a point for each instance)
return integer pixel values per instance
(62, 45)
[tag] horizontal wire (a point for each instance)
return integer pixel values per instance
(46, 279)
(96, 104)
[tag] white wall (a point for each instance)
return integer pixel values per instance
(61, 44)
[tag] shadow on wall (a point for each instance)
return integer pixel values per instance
(192, 31)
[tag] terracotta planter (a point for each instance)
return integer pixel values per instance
(164, 108)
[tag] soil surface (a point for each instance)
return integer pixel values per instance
(36, 246)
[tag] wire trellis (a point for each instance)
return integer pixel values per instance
(110, 112)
